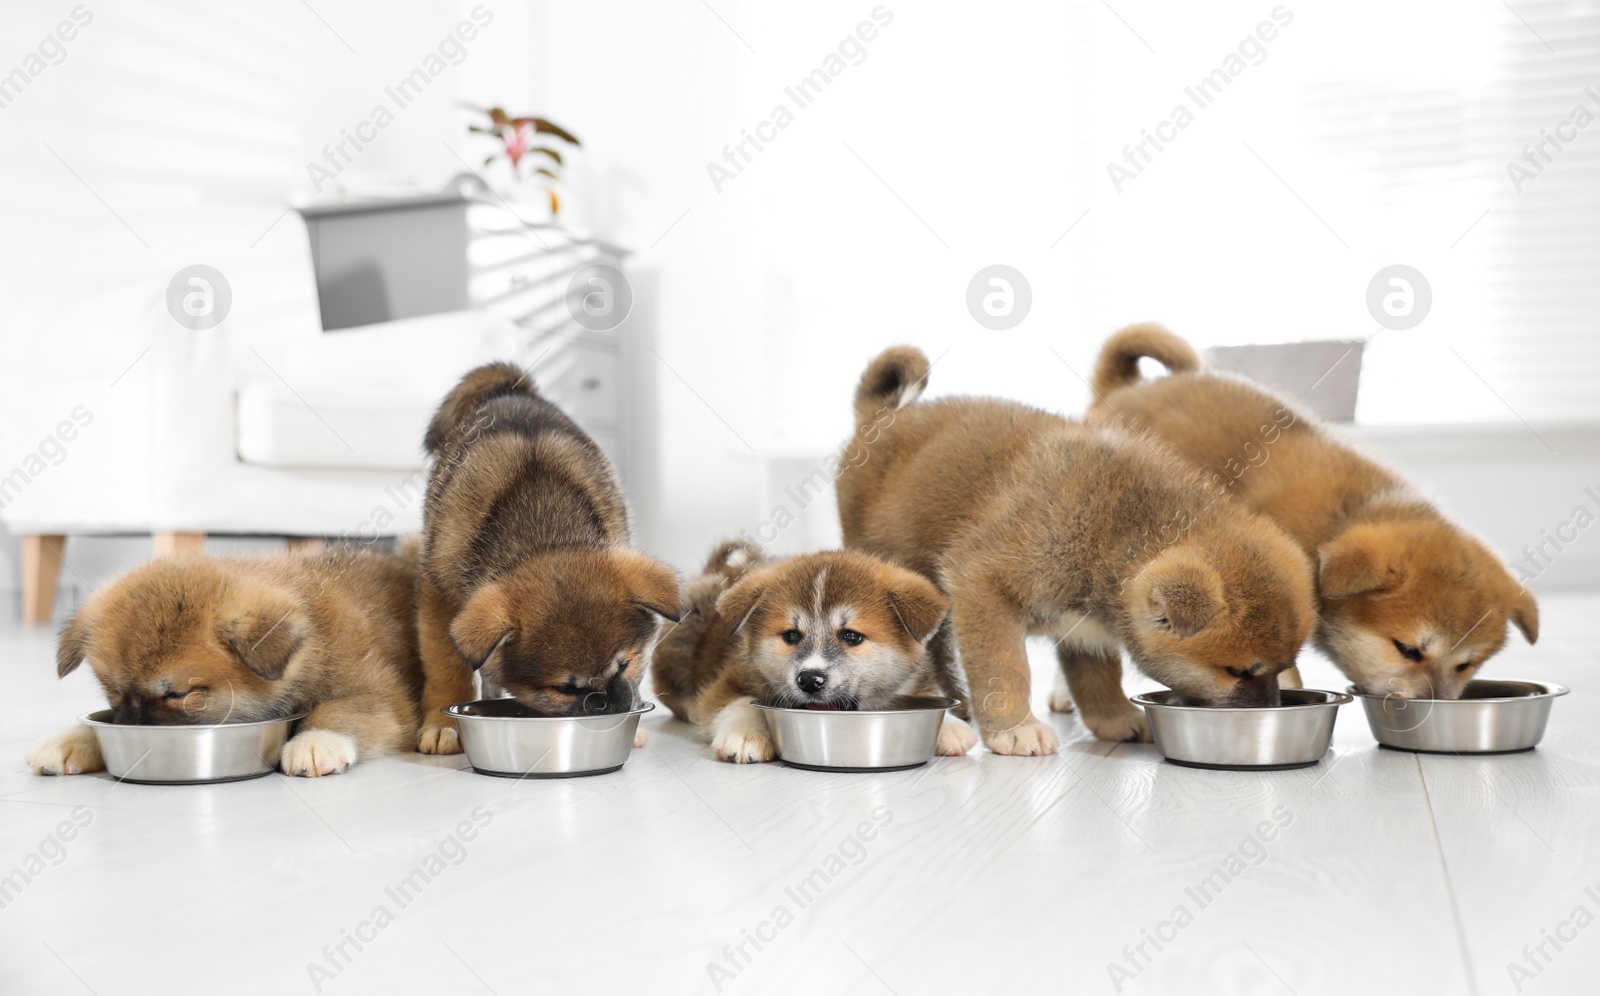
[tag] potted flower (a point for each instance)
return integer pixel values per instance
(532, 146)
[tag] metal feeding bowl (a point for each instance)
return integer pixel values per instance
(1295, 734)
(905, 736)
(188, 755)
(505, 738)
(1491, 717)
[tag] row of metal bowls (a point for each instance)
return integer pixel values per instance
(503, 738)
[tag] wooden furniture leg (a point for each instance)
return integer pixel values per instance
(169, 544)
(41, 568)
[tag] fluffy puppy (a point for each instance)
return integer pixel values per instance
(1411, 604)
(1036, 525)
(821, 631)
(197, 640)
(526, 570)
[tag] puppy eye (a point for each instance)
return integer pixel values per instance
(792, 636)
(851, 638)
(1410, 653)
(571, 688)
(1465, 667)
(1239, 672)
(176, 696)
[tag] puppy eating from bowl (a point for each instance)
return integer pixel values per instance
(526, 570)
(197, 640)
(1411, 603)
(836, 630)
(1034, 525)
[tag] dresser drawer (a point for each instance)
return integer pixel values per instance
(585, 380)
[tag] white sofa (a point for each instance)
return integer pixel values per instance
(263, 425)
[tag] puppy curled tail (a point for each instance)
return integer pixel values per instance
(732, 559)
(890, 382)
(459, 410)
(1118, 365)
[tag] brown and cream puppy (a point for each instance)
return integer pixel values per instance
(834, 630)
(197, 640)
(1034, 525)
(1411, 603)
(526, 569)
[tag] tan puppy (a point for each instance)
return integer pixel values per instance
(196, 639)
(526, 570)
(822, 631)
(1036, 525)
(1411, 604)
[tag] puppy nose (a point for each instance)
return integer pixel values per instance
(811, 681)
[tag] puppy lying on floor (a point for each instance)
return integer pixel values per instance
(1036, 525)
(1412, 604)
(196, 640)
(526, 569)
(826, 630)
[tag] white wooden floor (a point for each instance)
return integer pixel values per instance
(1394, 873)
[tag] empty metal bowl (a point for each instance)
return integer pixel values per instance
(1267, 738)
(1491, 717)
(188, 755)
(859, 740)
(504, 738)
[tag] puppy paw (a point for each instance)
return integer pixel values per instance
(955, 738)
(1030, 738)
(75, 752)
(743, 746)
(1060, 698)
(641, 736)
(439, 738)
(315, 753)
(1124, 727)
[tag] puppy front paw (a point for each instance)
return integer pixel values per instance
(315, 753)
(743, 746)
(1124, 727)
(955, 738)
(1030, 738)
(641, 736)
(439, 737)
(1060, 697)
(75, 752)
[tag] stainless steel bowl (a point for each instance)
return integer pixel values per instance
(1268, 738)
(504, 738)
(188, 755)
(1491, 717)
(859, 740)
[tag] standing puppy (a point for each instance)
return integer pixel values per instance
(1412, 604)
(526, 570)
(199, 640)
(822, 631)
(1036, 525)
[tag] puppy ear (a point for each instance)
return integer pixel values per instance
(1525, 614)
(1186, 593)
(1355, 563)
(739, 602)
(918, 605)
(266, 635)
(483, 625)
(654, 584)
(72, 646)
